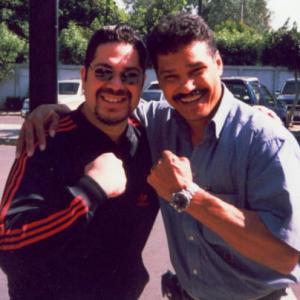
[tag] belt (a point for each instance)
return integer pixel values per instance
(172, 289)
(276, 295)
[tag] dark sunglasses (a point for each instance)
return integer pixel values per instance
(131, 76)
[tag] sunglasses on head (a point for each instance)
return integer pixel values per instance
(130, 76)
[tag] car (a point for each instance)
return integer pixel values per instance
(155, 95)
(251, 91)
(153, 92)
(25, 108)
(70, 93)
(287, 95)
(14, 103)
(153, 85)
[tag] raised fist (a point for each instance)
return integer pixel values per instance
(107, 170)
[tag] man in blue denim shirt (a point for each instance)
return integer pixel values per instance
(228, 182)
(231, 173)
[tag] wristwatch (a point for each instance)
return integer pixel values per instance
(181, 200)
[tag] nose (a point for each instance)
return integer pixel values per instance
(187, 85)
(116, 82)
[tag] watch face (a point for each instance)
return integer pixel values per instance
(182, 199)
(179, 201)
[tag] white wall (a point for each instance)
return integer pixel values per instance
(271, 77)
(18, 85)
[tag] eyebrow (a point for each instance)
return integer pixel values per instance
(196, 65)
(190, 66)
(110, 67)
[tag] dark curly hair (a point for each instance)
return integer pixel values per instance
(178, 30)
(116, 33)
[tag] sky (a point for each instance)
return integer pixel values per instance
(283, 9)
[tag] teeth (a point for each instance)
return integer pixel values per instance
(193, 97)
(112, 99)
(190, 99)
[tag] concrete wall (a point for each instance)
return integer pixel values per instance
(18, 85)
(271, 77)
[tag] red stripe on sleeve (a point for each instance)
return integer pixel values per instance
(39, 229)
(26, 236)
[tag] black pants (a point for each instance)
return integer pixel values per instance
(172, 289)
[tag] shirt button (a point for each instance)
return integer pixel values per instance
(191, 238)
(195, 272)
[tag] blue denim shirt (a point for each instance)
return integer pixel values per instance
(246, 160)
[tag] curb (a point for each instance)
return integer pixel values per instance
(8, 142)
(9, 134)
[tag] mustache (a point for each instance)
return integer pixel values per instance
(113, 92)
(194, 92)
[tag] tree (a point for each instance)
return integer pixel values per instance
(144, 14)
(253, 13)
(72, 43)
(85, 12)
(78, 20)
(282, 48)
(11, 46)
(238, 43)
(15, 14)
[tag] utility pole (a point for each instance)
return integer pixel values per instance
(43, 27)
(242, 11)
(199, 7)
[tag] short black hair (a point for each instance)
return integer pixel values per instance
(174, 31)
(116, 33)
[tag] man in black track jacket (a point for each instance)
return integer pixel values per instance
(68, 229)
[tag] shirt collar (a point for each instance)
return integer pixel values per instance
(217, 122)
(222, 112)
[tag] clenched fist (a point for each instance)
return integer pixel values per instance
(107, 170)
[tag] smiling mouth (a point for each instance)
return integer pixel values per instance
(195, 96)
(113, 99)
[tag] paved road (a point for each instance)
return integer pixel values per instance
(155, 253)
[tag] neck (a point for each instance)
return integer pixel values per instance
(197, 129)
(113, 131)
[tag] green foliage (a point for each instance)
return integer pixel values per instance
(144, 14)
(73, 42)
(84, 13)
(238, 43)
(78, 20)
(253, 13)
(282, 48)
(239, 40)
(11, 47)
(15, 14)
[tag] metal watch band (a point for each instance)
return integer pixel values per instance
(192, 189)
(181, 200)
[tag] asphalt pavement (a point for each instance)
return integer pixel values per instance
(155, 254)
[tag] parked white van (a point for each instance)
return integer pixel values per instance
(70, 93)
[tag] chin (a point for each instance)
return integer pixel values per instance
(111, 120)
